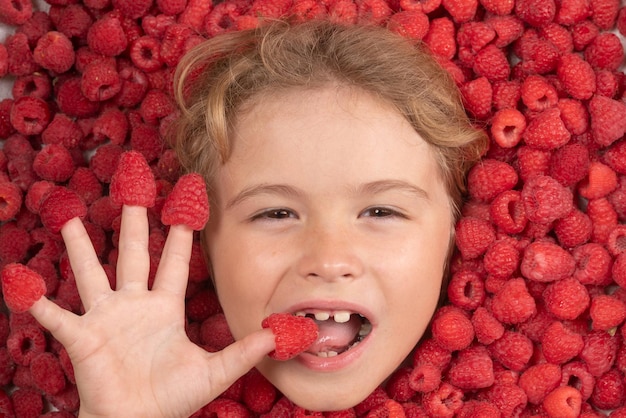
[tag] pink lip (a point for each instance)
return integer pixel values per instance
(330, 364)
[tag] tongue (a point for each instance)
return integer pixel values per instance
(335, 336)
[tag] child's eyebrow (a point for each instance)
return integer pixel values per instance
(371, 188)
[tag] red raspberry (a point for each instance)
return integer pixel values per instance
(133, 181)
(106, 36)
(258, 393)
(576, 374)
(461, 11)
(545, 200)
(604, 13)
(512, 304)
(74, 21)
(514, 350)
(564, 401)
(425, 6)
(59, 206)
(155, 106)
(508, 213)
(376, 398)
(105, 160)
(600, 181)
(616, 242)
(47, 373)
(111, 125)
(599, 352)
(305, 10)
(21, 287)
(72, 101)
(508, 29)
(86, 185)
(605, 51)
(466, 289)
(15, 13)
(11, 198)
(188, 203)
(473, 236)
(100, 81)
(603, 217)
(132, 8)
(147, 140)
(62, 130)
(374, 12)
(215, 333)
(54, 52)
(508, 397)
(606, 83)
(441, 37)
(539, 57)
(411, 24)
(507, 127)
(608, 392)
(498, 7)
(532, 162)
(341, 11)
(429, 351)
(606, 312)
(425, 377)
(489, 178)
(574, 229)
(26, 342)
(474, 35)
(27, 402)
(566, 299)
(446, 401)
(54, 163)
(574, 116)
(546, 262)
(492, 63)
(36, 85)
(572, 11)
(176, 35)
(222, 407)
(222, 18)
(547, 131)
(452, 329)
(608, 119)
(134, 86)
(539, 380)
(576, 76)
(538, 94)
(20, 58)
(593, 264)
(487, 328)
(559, 36)
(536, 12)
(195, 13)
(30, 115)
(477, 95)
(398, 386)
(145, 53)
(293, 334)
(472, 369)
(560, 344)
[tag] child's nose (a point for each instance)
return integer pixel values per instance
(329, 253)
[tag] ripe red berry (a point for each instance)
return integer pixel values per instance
(21, 287)
(608, 119)
(188, 203)
(133, 181)
(564, 401)
(472, 369)
(11, 198)
(566, 299)
(452, 328)
(489, 178)
(54, 52)
(560, 344)
(576, 76)
(473, 236)
(293, 334)
(59, 206)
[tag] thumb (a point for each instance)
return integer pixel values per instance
(228, 365)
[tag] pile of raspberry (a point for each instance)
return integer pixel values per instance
(534, 323)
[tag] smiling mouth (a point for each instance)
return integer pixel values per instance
(339, 331)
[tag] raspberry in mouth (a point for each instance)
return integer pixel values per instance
(339, 331)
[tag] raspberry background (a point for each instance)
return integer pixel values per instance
(537, 296)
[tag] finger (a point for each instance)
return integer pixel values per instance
(61, 323)
(228, 365)
(133, 263)
(173, 268)
(91, 279)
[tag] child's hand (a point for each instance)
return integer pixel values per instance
(130, 353)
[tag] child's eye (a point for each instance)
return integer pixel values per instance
(381, 212)
(275, 214)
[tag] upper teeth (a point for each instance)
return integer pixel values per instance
(338, 316)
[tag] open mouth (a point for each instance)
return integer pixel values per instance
(339, 331)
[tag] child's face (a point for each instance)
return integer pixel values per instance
(330, 203)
